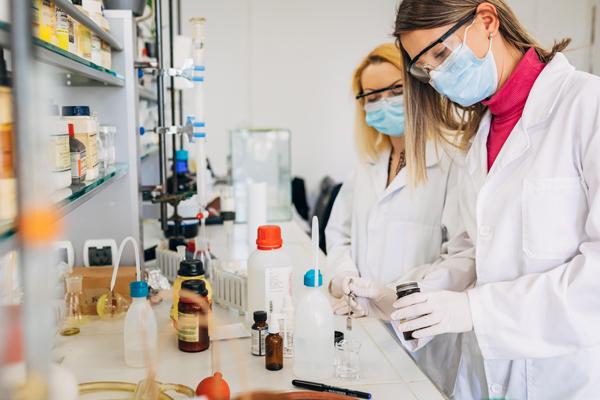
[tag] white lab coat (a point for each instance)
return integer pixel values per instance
(534, 220)
(392, 235)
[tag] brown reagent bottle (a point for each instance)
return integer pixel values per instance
(274, 347)
(403, 290)
(193, 310)
(259, 333)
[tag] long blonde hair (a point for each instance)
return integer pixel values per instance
(369, 142)
(428, 113)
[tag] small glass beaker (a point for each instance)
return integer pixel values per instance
(73, 317)
(107, 135)
(347, 359)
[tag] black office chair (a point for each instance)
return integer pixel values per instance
(323, 207)
(299, 197)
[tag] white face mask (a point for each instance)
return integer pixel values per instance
(464, 78)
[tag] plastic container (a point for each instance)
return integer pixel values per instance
(269, 273)
(188, 270)
(140, 333)
(86, 131)
(96, 49)
(77, 158)
(83, 36)
(314, 332)
(60, 157)
(45, 11)
(62, 29)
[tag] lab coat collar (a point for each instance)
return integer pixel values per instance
(540, 105)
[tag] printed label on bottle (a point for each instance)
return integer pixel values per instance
(188, 326)
(60, 156)
(78, 164)
(91, 148)
(258, 341)
(287, 334)
(277, 288)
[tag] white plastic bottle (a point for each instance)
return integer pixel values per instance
(313, 332)
(269, 273)
(140, 335)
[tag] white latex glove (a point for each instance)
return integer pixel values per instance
(362, 287)
(434, 313)
(336, 284)
(359, 307)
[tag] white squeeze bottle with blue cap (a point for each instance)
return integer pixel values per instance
(313, 325)
(140, 334)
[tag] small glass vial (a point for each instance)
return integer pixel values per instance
(403, 290)
(274, 347)
(259, 333)
(193, 311)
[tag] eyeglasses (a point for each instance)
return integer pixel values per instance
(396, 89)
(437, 52)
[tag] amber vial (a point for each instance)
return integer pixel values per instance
(259, 333)
(274, 347)
(402, 291)
(193, 309)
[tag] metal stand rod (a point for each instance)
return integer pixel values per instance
(162, 150)
(172, 65)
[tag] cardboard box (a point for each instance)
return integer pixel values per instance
(96, 282)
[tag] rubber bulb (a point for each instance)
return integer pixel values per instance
(214, 388)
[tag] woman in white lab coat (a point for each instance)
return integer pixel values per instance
(529, 200)
(381, 229)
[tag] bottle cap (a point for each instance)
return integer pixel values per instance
(191, 268)
(260, 316)
(338, 337)
(309, 278)
(269, 237)
(71, 129)
(273, 325)
(138, 289)
(181, 155)
(196, 286)
(76, 111)
(400, 289)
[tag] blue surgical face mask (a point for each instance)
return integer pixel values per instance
(464, 78)
(387, 115)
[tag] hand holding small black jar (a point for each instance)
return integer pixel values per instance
(404, 290)
(193, 310)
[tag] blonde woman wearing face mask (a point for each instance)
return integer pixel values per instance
(382, 231)
(530, 200)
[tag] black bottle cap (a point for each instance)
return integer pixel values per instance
(191, 268)
(338, 337)
(260, 316)
(197, 286)
(76, 111)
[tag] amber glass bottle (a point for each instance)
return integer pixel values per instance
(193, 310)
(274, 347)
(405, 290)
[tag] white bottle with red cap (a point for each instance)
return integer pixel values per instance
(269, 273)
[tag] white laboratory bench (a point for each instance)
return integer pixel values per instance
(387, 371)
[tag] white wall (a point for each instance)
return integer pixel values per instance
(288, 63)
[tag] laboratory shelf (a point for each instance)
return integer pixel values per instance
(7, 237)
(148, 151)
(79, 71)
(82, 193)
(81, 17)
(147, 94)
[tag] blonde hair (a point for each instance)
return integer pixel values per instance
(427, 110)
(369, 142)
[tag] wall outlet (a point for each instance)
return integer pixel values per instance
(99, 252)
(66, 252)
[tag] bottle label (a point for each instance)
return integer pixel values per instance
(78, 164)
(91, 148)
(277, 288)
(188, 326)
(60, 156)
(288, 336)
(258, 341)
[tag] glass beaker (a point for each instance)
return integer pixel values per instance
(108, 138)
(347, 359)
(73, 315)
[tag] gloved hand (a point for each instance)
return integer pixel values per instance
(434, 313)
(335, 285)
(360, 307)
(362, 287)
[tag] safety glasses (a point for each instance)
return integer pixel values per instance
(396, 89)
(437, 52)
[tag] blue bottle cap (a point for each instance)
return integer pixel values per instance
(138, 289)
(76, 111)
(181, 155)
(309, 278)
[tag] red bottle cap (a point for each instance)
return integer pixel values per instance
(269, 237)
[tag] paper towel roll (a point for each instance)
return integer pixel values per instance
(256, 211)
